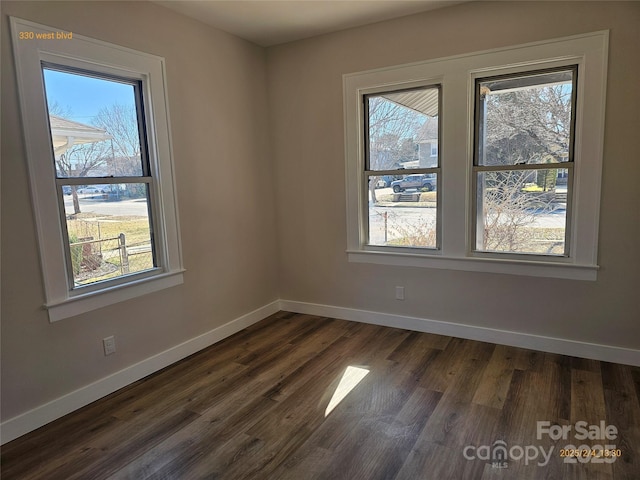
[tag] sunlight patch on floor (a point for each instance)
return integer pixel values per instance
(350, 379)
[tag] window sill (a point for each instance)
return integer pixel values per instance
(89, 301)
(477, 264)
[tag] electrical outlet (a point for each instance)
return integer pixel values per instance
(399, 293)
(109, 345)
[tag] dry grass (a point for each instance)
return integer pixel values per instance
(103, 260)
(136, 229)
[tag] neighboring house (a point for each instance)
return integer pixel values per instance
(67, 133)
(428, 143)
(428, 152)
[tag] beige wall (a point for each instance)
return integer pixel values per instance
(285, 237)
(217, 99)
(306, 114)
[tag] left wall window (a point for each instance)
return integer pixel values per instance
(102, 174)
(96, 131)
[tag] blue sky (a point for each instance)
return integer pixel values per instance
(84, 96)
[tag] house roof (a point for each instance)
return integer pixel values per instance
(423, 101)
(65, 133)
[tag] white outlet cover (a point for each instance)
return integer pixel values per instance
(109, 345)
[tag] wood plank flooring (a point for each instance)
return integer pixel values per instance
(254, 406)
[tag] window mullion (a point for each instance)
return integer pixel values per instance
(535, 166)
(101, 180)
(401, 171)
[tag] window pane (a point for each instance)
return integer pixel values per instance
(94, 125)
(403, 129)
(525, 119)
(109, 230)
(407, 218)
(522, 211)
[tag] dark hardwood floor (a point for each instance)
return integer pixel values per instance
(421, 406)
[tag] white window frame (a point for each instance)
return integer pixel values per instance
(457, 76)
(400, 171)
(478, 167)
(103, 58)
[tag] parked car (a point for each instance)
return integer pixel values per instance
(95, 189)
(386, 180)
(425, 180)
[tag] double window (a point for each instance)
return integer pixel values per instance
(482, 162)
(98, 148)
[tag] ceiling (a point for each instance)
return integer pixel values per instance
(268, 22)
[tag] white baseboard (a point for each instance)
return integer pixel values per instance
(562, 346)
(39, 416)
